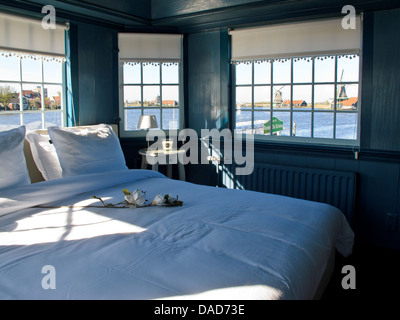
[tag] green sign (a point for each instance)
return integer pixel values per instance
(277, 125)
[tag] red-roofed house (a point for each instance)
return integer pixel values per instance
(169, 103)
(350, 103)
(57, 99)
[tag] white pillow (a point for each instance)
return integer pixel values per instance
(13, 169)
(89, 149)
(44, 154)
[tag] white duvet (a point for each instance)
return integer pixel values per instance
(221, 244)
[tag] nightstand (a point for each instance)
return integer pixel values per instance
(171, 158)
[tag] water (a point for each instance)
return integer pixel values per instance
(170, 118)
(346, 123)
(32, 121)
(324, 122)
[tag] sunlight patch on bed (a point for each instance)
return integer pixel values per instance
(4, 202)
(254, 292)
(61, 225)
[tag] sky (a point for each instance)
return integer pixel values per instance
(31, 72)
(302, 73)
(151, 75)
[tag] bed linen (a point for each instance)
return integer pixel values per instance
(13, 171)
(221, 244)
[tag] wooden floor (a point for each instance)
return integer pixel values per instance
(377, 275)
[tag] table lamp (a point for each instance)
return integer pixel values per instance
(147, 122)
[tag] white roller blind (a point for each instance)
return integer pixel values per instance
(296, 39)
(146, 46)
(24, 34)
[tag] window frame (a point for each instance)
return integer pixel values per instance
(142, 133)
(296, 139)
(20, 83)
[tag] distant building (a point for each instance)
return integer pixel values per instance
(55, 103)
(154, 103)
(136, 103)
(350, 103)
(57, 99)
(14, 103)
(170, 103)
(30, 94)
(296, 103)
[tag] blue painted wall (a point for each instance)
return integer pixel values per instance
(96, 73)
(207, 80)
(207, 94)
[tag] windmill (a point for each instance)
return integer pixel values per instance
(341, 93)
(278, 100)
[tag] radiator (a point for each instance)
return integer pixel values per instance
(332, 187)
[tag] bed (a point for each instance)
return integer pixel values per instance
(220, 244)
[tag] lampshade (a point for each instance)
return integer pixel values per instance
(147, 122)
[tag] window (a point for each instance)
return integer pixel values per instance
(32, 82)
(150, 80)
(310, 97)
(298, 82)
(31, 91)
(151, 88)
